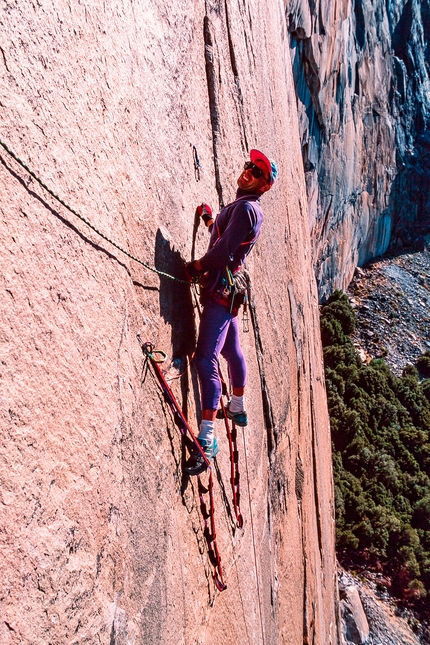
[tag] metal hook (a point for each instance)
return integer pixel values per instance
(197, 164)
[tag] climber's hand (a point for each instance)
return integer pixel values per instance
(191, 272)
(205, 212)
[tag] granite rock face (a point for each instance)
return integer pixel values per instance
(372, 615)
(391, 297)
(134, 113)
(362, 81)
(355, 627)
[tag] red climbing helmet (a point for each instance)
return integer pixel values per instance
(269, 167)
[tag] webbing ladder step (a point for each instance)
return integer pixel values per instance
(156, 357)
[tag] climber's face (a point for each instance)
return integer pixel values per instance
(252, 179)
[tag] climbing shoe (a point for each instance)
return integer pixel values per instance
(196, 464)
(239, 418)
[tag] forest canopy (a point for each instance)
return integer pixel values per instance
(381, 456)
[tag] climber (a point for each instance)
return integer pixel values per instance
(232, 235)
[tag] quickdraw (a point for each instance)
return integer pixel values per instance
(156, 357)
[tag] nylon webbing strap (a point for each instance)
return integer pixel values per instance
(234, 453)
(210, 531)
(85, 220)
(153, 355)
(157, 357)
(234, 465)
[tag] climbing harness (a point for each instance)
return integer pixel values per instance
(84, 220)
(156, 357)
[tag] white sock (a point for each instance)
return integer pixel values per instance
(207, 430)
(237, 404)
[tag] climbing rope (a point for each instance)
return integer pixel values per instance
(84, 220)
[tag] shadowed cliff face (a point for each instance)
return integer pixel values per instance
(410, 25)
(361, 75)
(102, 540)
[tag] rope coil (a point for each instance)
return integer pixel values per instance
(84, 220)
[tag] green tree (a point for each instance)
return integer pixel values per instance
(380, 428)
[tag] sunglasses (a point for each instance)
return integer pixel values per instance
(255, 170)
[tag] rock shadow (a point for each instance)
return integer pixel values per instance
(177, 310)
(176, 306)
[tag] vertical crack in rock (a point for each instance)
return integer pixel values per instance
(112, 639)
(120, 436)
(299, 405)
(269, 423)
(315, 472)
(300, 479)
(297, 328)
(212, 81)
(4, 59)
(234, 68)
(305, 596)
(296, 315)
(308, 620)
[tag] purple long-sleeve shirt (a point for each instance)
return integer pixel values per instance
(233, 235)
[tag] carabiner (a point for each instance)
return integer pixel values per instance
(158, 356)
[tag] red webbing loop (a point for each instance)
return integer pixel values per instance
(182, 423)
(234, 465)
(178, 415)
(210, 531)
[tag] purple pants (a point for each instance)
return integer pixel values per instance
(218, 334)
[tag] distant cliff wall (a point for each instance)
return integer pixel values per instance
(102, 539)
(362, 81)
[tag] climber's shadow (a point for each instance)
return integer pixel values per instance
(176, 307)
